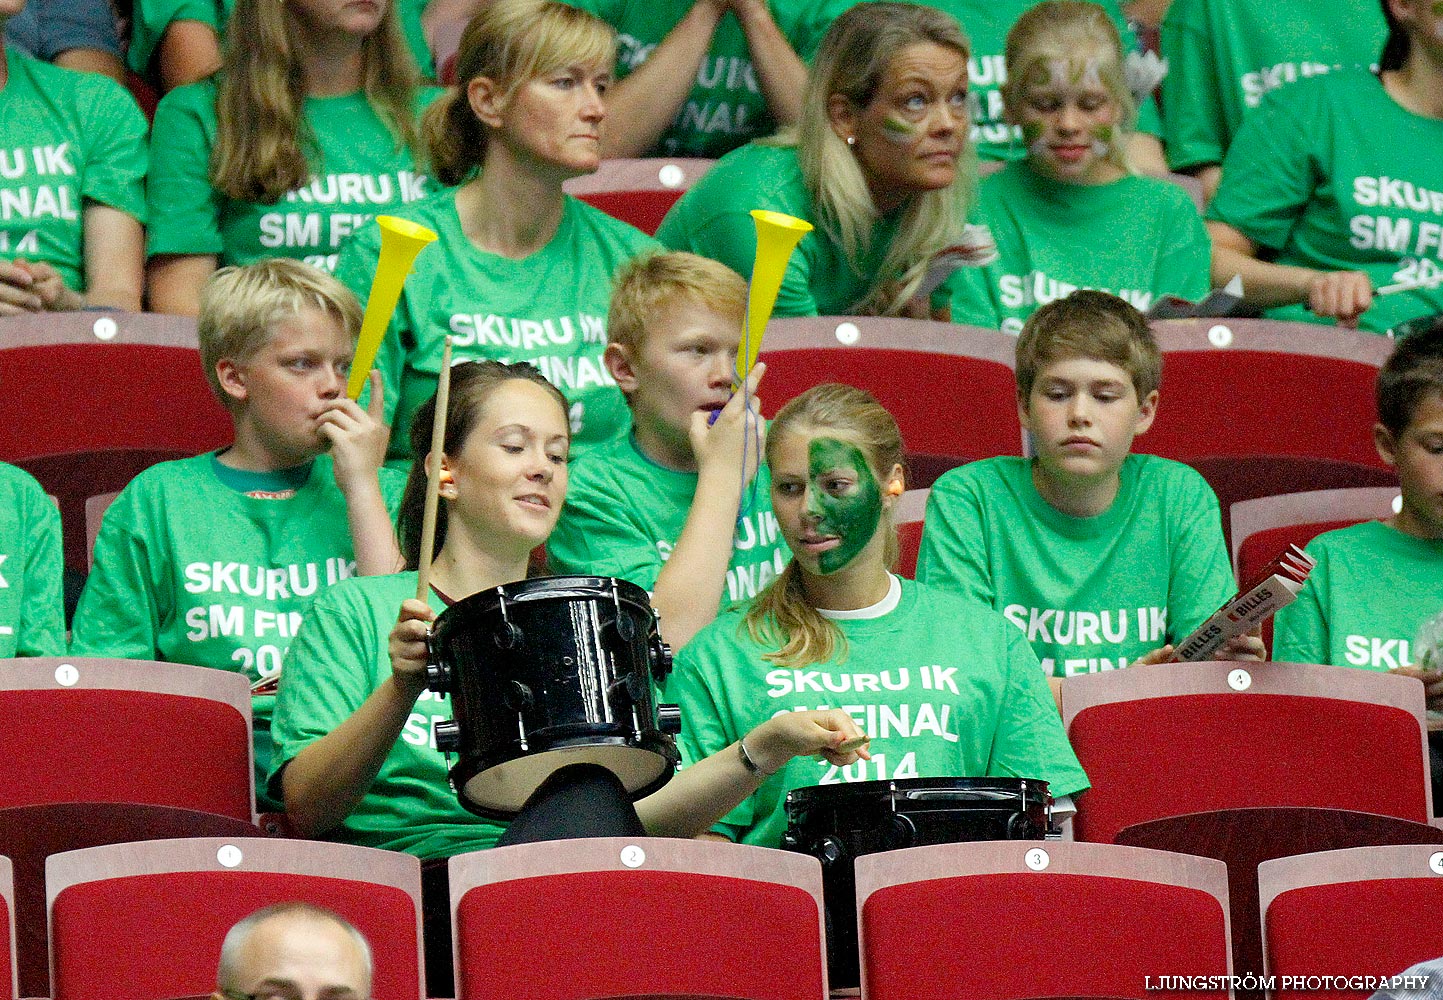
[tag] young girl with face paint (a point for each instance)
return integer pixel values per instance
(943, 687)
(1072, 214)
(1331, 189)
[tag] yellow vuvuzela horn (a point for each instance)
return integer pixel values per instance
(777, 237)
(401, 241)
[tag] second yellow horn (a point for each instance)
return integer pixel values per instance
(777, 237)
(401, 241)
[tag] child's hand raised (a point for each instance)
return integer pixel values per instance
(358, 437)
(720, 444)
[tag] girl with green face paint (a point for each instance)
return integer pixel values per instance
(844, 500)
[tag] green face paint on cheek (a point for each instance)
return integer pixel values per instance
(851, 517)
(898, 130)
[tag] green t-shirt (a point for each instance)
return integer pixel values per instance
(944, 689)
(69, 138)
(712, 219)
(986, 23)
(1364, 602)
(338, 658)
(32, 616)
(1225, 55)
(150, 18)
(1138, 238)
(725, 108)
(1090, 593)
(360, 171)
(189, 570)
(624, 513)
(549, 308)
(1332, 173)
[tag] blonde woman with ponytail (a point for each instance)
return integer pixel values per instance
(522, 272)
(306, 132)
(879, 162)
(944, 688)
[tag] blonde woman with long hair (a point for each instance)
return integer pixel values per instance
(879, 162)
(943, 687)
(1072, 214)
(522, 271)
(307, 131)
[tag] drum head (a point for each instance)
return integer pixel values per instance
(502, 790)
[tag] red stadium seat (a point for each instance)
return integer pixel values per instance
(8, 965)
(981, 920)
(90, 399)
(142, 921)
(950, 387)
(1178, 738)
(1368, 911)
(1261, 387)
(910, 509)
(31, 834)
(97, 730)
(638, 916)
(640, 192)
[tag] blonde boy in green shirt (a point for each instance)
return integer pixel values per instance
(682, 504)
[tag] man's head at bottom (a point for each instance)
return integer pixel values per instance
(294, 951)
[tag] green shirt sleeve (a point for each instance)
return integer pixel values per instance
(150, 18)
(1201, 578)
(1269, 174)
(953, 556)
(327, 677)
(730, 236)
(120, 608)
(115, 149)
(1184, 265)
(184, 208)
(41, 629)
(1029, 731)
(1195, 127)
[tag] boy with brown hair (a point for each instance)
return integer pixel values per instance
(212, 560)
(1102, 557)
(682, 504)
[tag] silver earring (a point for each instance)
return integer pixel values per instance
(851, 140)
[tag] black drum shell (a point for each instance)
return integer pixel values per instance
(839, 823)
(565, 672)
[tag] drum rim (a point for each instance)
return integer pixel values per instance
(541, 588)
(844, 789)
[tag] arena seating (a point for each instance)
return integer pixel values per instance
(637, 916)
(90, 399)
(8, 964)
(950, 387)
(100, 730)
(1358, 912)
(640, 192)
(982, 920)
(1178, 738)
(116, 910)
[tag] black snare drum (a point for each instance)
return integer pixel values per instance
(836, 824)
(545, 673)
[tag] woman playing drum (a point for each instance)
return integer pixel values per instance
(943, 687)
(353, 719)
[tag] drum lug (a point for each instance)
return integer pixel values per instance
(518, 697)
(438, 677)
(660, 659)
(830, 851)
(903, 832)
(668, 719)
(447, 735)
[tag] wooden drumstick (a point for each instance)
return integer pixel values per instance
(433, 477)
